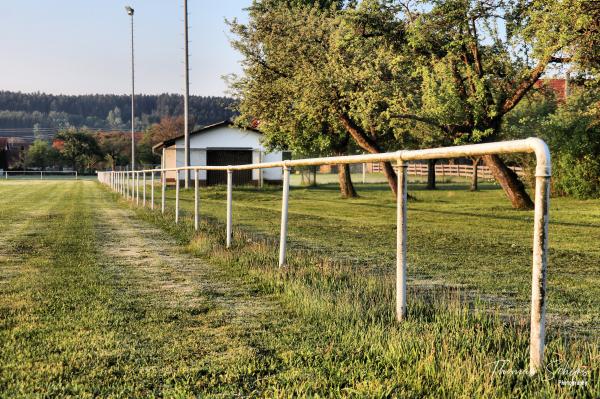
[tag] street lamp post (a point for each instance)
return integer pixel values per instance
(186, 104)
(130, 13)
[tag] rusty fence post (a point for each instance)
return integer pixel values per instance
(229, 206)
(539, 271)
(177, 198)
(401, 237)
(196, 200)
(152, 190)
(284, 215)
(163, 191)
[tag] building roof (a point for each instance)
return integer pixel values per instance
(170, 142)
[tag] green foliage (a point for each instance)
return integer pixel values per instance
(40, 155)
(144, 150)
(305, 69)
(104, 111)
(573, 134)
(402, 74)
(571, 130)
(79, 148)
(115, 147)
(577, 176)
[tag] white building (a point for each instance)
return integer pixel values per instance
(222, 144)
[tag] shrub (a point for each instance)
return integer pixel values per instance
(573, 134)
(572, 131)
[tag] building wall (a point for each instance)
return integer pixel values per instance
(223, 138)
(170, 161)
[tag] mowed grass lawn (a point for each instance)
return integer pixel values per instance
(100, 298)
(458, 238)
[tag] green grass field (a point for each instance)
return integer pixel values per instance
(100, 298)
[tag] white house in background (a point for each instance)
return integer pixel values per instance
(222, 144)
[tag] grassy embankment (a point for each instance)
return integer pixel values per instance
(80, 319)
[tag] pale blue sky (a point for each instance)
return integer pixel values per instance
(82, 46)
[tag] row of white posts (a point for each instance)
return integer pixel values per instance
(34, 173)
(128, 184)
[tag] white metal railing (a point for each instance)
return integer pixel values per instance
(36, 174)
(128, 184)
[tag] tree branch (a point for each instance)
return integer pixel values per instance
(524, 87)
(417, 118)
(560, 60)
(361, 138)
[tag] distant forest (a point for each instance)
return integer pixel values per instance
(104, 111)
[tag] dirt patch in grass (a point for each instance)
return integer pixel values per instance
(159, 266)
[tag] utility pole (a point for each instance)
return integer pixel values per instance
(186, 105)
(130, 13)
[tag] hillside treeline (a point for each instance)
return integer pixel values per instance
(104, 111)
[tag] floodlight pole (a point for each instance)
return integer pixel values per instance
(130, 12)
(186, 105)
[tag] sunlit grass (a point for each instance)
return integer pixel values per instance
(77, 321)
(470, 264)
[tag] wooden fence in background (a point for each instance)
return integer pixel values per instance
(483, 172)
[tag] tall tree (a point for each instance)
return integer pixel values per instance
(168, 128)
(475, 60)
(79, 148)
(301, 77)
(115, 146)
(397, 72)
(40, 154)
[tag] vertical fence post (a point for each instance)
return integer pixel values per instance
(163, 178)
(136, 187)
(284, 215)
(177, 198)
(229, 210)
(401, 236)
(364, 172)
(144, 189)
(538, 278)
(127, 185)
(41, 175)
(196, 201)
(152, 190)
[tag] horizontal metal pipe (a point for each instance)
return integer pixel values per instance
(530, 145)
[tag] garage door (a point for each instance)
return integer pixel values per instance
(228, 157)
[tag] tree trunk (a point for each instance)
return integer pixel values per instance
(474, 176)
(508, 179)
(431, 174)
(390, 175)
(345, 180)
(368, 144)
